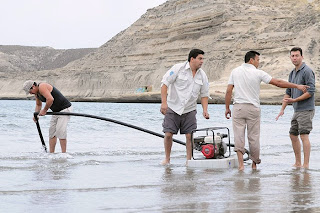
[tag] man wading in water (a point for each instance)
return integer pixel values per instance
(178, 103)
(54, 100)
(246, 80)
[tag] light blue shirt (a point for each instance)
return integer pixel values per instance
(183, 88)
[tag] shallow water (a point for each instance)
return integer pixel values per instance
(112, 168)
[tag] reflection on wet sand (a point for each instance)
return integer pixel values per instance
(301, 191)
(51, 171)
(246, 193)
(180, 191)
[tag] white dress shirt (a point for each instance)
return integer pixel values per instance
(183, 88)
(246, 80)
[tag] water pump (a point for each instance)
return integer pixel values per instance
(211, 145)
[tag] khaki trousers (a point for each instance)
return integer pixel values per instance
(247, 116)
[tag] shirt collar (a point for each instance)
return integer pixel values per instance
(248, 65)
(300, 68)
(187, 66)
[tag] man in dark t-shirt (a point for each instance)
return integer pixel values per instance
(55, 101)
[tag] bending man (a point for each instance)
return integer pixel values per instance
(54, 100)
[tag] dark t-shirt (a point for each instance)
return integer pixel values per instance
(59, 102)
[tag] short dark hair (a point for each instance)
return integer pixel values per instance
(194, 53)
(251, 54)
(296, 49)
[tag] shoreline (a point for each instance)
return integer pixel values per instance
(154, 98)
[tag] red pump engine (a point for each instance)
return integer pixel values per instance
(211, 146)
(208, 150)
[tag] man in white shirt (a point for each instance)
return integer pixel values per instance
(180, 88)
(246, 80)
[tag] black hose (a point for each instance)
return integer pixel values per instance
(105, 119)
(39, 131)
(113, 121)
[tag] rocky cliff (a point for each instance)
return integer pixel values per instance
(164, 35)
(17, 59)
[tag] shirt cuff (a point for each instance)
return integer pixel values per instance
(165, 82)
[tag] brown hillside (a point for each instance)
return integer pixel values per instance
(224, 29)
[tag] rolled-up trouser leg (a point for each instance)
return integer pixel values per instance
(247, 116)
(253, 132)
(239, 127)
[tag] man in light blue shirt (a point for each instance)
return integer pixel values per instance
(180, 88)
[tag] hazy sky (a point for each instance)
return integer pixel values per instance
(66, 24)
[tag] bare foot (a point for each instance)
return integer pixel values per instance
(297, 165)
(241, 168)
(254, 165)
(305, 166)
(165, 162)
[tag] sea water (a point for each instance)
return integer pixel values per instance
(113, 168)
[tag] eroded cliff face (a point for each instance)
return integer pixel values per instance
(163, 36)
(17, 60)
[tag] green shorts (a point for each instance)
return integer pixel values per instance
(301, 122)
